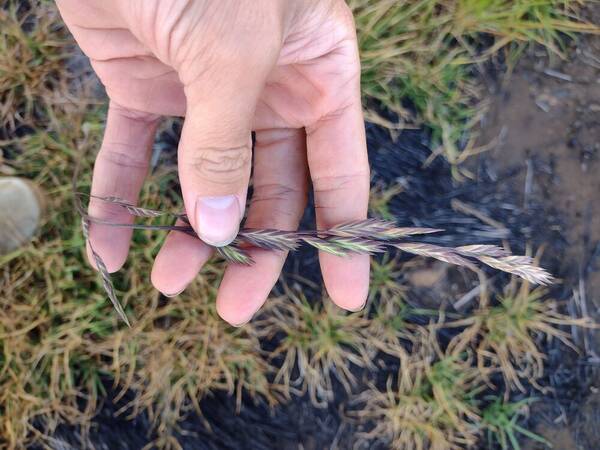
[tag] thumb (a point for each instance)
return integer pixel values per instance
(215, 154)
(222, 85)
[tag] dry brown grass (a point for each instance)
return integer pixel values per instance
(62, 342)
(180, 351)
(429, 404)
(33, 55)
(316, 343)
(389, 328)
(380, 197)
(385, 275)
(508, 336)
(419, 58)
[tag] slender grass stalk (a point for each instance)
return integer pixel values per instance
(368, 236)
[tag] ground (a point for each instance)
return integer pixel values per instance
(547, 117)
(79, 374)
(546, 128)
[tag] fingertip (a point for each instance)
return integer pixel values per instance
(237, 306)
(346, 280)
(112, 259)
(178, 263)
(158, 277)
(233, 317)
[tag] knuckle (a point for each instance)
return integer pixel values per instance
(276, 206)
(122, 155)
(326, 114)
(337, 183)
(135, 115)
(330, 189)
(222, 166)
(345, 15)
(278, 193)
(340, 15)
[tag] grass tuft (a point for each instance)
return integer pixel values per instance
(34, 49)
(430, 404)
(316, 344)
(500, 421)
(61, 345)
(507, 336)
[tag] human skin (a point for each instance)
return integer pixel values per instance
(288, 70)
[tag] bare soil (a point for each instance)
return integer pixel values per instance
(547, 120)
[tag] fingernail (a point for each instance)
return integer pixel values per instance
(218, 219)
(173, 295)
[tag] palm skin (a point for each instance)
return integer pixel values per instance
(286, 69)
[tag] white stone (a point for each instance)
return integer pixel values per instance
(20, 212)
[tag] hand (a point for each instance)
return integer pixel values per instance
(287, 69)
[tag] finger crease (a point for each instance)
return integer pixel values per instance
(122, 159)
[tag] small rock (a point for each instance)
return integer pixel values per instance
(20, 212)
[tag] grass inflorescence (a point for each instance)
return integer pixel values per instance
(370, 236)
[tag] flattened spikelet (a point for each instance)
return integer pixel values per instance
(325, 245)
(106, 282)
(434, 251)
(520, 266)
(131, 208)
(482, 250)
(362, 228)
(108, 287)
(234, 254)
(401, 232)
(378, 229)
(270, 239)
(358, 245)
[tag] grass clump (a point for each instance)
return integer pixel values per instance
(385, 273)
(61, 342)
(389, 327)
(419, 57)
(430, 404)
(181, 351)
(52, 308)
(507, 336)
(317, 344)
(500, 422)
(379, 199)
(33, 54)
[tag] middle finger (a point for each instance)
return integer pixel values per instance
(278, 201)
